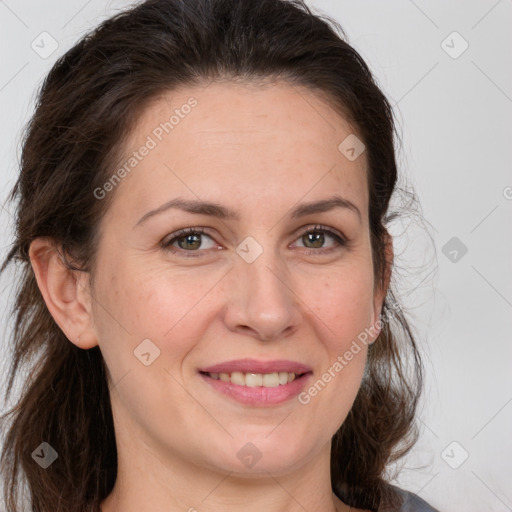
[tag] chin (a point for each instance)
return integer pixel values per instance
(261, 453)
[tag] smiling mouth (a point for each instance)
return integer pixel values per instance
(253, 380)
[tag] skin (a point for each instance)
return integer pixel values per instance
(260, 151)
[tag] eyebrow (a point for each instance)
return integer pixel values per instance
(216, 210)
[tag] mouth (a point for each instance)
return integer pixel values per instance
(257, 383)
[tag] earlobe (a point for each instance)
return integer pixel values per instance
(60, 289)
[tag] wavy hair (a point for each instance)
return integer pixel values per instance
(87, 105)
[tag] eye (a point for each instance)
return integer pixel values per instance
(189, 240)
(316, 237)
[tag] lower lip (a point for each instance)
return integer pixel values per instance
(259, 396)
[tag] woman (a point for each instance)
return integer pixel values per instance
(206, 271)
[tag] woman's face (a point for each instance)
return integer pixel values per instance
(253, 295)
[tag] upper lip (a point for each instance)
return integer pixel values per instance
(255, 366)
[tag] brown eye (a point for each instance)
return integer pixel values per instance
(316, 238)
(187, 241)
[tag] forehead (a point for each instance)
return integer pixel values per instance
(232, 142)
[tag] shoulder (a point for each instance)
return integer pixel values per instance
(413, 503)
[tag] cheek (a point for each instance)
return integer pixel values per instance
(138, 302)
(343, 303)
(343, 313)
(135, 304)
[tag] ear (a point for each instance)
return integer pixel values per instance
(66, 292)
(381, 290)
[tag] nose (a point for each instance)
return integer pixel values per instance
(263, 303)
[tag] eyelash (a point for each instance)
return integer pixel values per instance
(166, 244)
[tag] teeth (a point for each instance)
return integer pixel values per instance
(252, 380)
(271, 380)
(238, 378)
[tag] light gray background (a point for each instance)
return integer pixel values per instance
(455, 121)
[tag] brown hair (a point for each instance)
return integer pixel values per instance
(87, 106)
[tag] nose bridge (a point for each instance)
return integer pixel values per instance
(264, 300)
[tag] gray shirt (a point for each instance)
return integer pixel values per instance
(413, 503)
